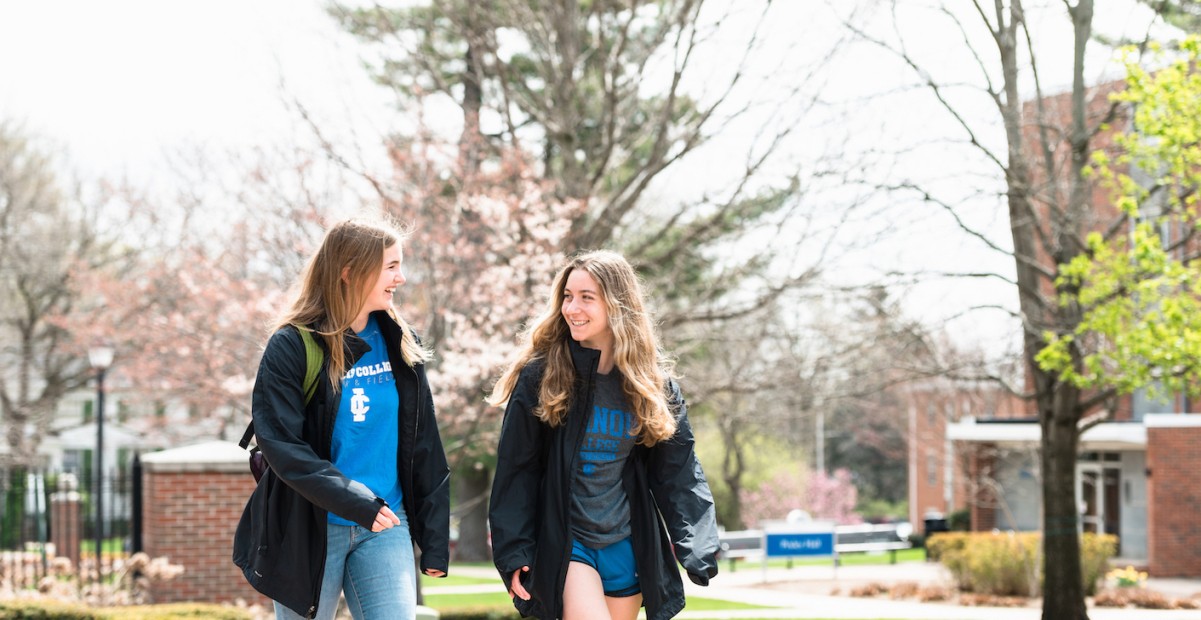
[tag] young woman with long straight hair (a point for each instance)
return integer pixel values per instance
(357, 471)
(597, 491)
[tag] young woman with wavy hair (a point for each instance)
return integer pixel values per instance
(597, 491)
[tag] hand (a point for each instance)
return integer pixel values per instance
(433, 572)
(518, 590)
(384, 520)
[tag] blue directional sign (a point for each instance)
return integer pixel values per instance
(783, 544)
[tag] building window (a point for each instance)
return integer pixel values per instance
(931, 468)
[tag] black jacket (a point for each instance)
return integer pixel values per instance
(530, 507)
(280, 541)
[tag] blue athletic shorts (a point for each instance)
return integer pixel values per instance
(614, 564)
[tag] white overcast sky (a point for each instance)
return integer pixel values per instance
(120, 84)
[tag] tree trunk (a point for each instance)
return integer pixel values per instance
(471, 499)
(1063, 589)
(732, 469)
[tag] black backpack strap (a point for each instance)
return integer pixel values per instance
(247, 435)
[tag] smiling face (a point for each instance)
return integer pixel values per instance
(379, 291)
(585, 311)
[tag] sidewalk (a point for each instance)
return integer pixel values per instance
(805, 592)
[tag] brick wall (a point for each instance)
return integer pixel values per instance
(193, 499)
(982, 466)
(1174, 495)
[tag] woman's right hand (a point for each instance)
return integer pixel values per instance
(384, 520)
(517, 589)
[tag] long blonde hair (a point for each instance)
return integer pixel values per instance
(328, 303)
(645, 370)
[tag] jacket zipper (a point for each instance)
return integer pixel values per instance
(413, 451)
(579, 441)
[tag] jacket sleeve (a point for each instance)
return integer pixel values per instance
(518, 479)
(683, 497)
(278, 410)
(431, 487)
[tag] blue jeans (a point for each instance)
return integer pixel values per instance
(374, 568)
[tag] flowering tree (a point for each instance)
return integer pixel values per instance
(832, 497)
(776, 497)
(485, 240)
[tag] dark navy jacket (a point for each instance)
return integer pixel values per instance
(280, 540)
(530, 507)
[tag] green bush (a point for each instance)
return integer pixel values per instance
(479, 612)
(1007, 564)
(1095, 553)
(960, 520)
(940, 543)
(54, 610)
(45, 610)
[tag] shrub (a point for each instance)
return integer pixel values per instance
(46, 609)
(960, 520)
(1009, 564)
(480, 612)
(1095, 552)
(940, 542)
(904, 589)
(41, 609)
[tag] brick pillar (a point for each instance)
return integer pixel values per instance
(1173, 495)
(193, 498)
(66, 528)
(982, 465)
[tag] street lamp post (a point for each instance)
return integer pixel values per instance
(101, 358)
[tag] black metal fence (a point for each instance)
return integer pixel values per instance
(50, 532)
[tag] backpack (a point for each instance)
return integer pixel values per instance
(314, 358)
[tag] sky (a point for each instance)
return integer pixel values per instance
(118, 86)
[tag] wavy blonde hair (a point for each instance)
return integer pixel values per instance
(645, 370)
(328, 303)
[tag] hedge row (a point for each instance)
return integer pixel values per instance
(44, 609)
(1010, 564)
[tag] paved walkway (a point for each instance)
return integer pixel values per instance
(808, 592)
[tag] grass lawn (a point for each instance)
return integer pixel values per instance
(455, 580)
(500, 599)
(849, 559)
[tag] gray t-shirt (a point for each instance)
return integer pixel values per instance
(600, 510)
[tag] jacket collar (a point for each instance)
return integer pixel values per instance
(585, 360)
(356, 347)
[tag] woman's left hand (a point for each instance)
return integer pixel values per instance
(433, 572)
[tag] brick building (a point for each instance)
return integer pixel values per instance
(1136, 476)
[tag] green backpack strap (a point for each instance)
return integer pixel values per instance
(313, 358)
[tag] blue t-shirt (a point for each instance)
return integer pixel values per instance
(368, 422)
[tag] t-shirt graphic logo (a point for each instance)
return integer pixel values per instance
(359, 405)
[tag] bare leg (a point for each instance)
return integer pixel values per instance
(583, 595)
(624, 607)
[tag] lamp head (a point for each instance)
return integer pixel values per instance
(101, 357)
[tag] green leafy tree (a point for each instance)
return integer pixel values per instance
(1047, 194)
(1140, 295)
